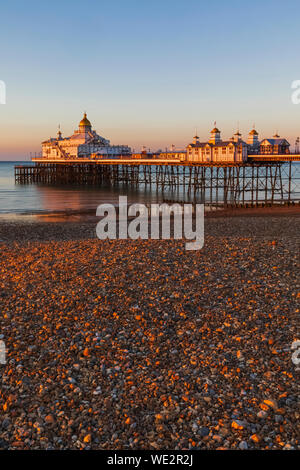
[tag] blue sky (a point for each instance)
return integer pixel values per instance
(147, 73)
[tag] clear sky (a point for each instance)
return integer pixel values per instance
(147, 72)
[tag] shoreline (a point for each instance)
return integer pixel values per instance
(285, 221)
(89, 215)
(254, 224)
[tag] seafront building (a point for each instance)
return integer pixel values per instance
(234, 150)
(274, 146)
(87, 144)
(216, 150)
(172, 155)
(82, 144)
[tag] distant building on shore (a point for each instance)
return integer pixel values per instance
(82, 144)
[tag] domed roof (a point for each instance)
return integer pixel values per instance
(215, 131)
(85, 122)
(253, 132)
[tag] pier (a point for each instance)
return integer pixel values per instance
(261, 181)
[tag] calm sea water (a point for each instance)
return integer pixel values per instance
(38, 199)
(42, 199)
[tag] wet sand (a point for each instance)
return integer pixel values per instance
(143, 345)
(281, 220)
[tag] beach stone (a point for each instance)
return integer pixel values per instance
(4, 444)
(49, 419)
(255, 438)
(238, 424)
(271, 403)
(278, 418)
(262, 414)
(5, 423)
(203, 431)
(243, 445)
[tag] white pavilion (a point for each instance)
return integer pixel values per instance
(82, 144)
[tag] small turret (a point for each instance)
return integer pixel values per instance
(253, 138)
(196, 139)
(215, 135)
(59, 134)
(237, 136)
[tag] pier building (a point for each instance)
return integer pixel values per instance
(234, 150)
(82, 144)
(274, 146)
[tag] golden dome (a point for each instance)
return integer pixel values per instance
(85, 122)
(253, 132)
(215, 131)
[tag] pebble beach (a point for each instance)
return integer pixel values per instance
(144, 345)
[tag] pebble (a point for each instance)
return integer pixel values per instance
(49, 419)
(238, 424)
(262, 414)
(243, 445)
(203, 431)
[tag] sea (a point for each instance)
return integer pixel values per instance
(33, 200)
(41, 200)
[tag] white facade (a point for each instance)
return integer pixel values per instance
(82, 144)
(216, 150)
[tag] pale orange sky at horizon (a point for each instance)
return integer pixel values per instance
(30, 137)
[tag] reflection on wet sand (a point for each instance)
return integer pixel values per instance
(82, 201)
